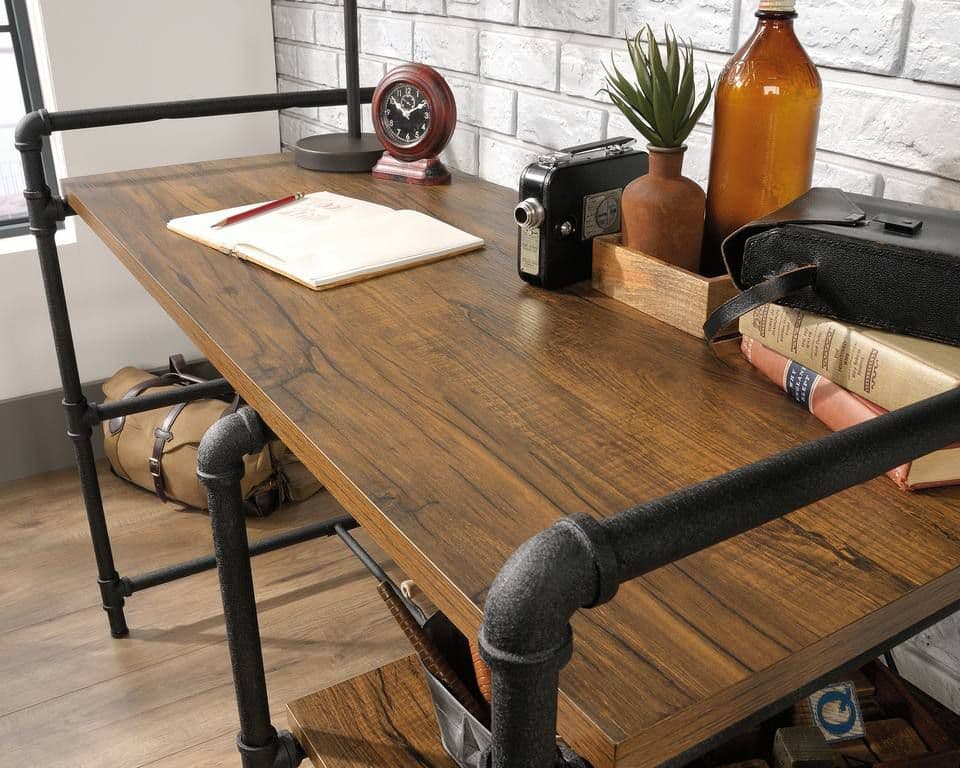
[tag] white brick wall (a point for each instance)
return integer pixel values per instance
(870, 41)
(446, 45)
(932, 50)
(521, 59)
(525, 74)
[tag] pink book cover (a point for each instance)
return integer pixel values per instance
(833, 405)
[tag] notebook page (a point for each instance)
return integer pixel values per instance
(282, 229)
(326, 239)
(390, 242)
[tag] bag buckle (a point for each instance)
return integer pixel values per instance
(154, 463)
(899, 224)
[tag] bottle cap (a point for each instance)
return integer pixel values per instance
(777, 6)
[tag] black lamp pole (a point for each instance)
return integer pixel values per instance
(352, 151)
(351, 53)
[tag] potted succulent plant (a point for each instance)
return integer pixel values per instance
(662, 212)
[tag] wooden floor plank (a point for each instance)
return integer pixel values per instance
(73, 696)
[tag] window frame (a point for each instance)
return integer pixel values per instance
(18, 27)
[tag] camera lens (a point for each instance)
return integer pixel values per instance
(528, 213)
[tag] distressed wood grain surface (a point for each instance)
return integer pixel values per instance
(456, 411)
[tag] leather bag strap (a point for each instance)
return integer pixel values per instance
(177, 375)
(161, 436)
(116, 424)
(233, 407)
(178, 366)
(770, 290)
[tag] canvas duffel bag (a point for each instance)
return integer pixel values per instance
(157, 450)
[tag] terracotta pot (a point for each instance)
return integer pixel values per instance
(662, 212)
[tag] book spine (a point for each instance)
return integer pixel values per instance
(834, 406)
(841, 352)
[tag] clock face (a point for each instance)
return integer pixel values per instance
(405, 114)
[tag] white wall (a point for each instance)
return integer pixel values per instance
(111, 52)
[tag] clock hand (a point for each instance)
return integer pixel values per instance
(408, 112)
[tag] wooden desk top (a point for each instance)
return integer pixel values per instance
(455, 412)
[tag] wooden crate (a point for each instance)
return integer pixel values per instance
(677, 297)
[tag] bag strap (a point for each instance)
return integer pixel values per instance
(233, 407)
(164, 434)
(177, 375)
(116, 424)
(161, 436)
(770, 290)
(178, 366)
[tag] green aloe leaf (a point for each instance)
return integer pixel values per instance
(647, 132)
(621, 83)
(683, 106)
(662, 103)
(641, 67)
(673, 60)
(629, 110)
(630, 94)
(691, 121)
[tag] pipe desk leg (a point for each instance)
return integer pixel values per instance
(220, 468)
(111, 591)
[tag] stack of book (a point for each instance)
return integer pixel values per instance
(845, 374)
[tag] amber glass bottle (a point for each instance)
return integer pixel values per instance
(766, 116)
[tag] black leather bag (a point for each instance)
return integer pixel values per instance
(865, 260)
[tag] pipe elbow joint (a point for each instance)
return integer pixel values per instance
(223, 446)
(31, 129)
(526, 619)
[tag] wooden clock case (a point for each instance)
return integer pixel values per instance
(416, 163)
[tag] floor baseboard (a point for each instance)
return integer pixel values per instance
(35, 433)
(34, 429)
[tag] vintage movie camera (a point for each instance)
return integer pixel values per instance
(566, 199)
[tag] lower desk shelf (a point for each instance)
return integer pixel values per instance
(384, 717)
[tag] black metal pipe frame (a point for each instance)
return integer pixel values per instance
(100, 412)
(377, 571)
(580, 562)
(220, 468)
(131, 584)
(45, 211)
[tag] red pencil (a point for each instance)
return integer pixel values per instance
(259, 209)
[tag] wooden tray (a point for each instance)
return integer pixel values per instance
(677, 297)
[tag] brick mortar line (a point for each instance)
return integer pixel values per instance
(715, 59)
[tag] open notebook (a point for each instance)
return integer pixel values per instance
(324, 240)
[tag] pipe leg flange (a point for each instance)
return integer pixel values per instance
(282, 751)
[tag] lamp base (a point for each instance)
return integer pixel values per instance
(338, 152)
